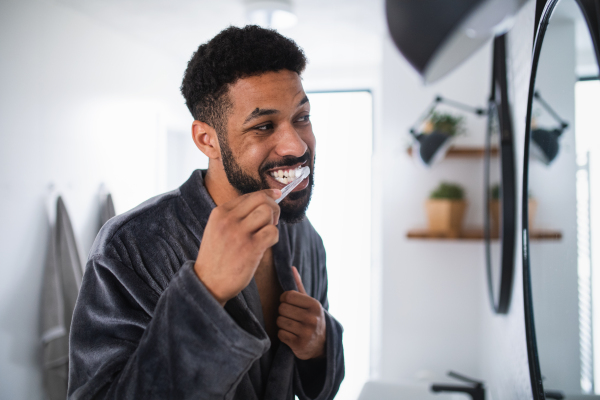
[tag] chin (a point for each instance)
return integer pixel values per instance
(294, 206)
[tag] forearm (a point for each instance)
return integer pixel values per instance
(191, 348)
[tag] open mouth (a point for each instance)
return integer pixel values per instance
(285, 176)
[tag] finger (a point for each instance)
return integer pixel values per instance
(273, 193)
(266, 237)
(290, 325)
(261, 216)
(298, 299)
(287, 337)
(292, 312)
(298, 280)
(254, 200)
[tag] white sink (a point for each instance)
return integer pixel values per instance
(377, 390)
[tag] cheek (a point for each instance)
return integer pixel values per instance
(251, 156)
(311, 141)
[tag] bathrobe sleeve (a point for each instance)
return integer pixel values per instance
(320, 379)
(128, 342)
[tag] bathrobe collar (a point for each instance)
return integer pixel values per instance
(195, 194)
(248, 301)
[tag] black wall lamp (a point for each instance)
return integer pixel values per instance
(435, 36)
(432, 147)
(545, 141)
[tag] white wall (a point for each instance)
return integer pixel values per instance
(435, 313)
(79, 105)
(432, 292)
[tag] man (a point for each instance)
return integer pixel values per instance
(214, 291)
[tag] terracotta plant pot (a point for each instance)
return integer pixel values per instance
(532, 205)
(495, 218)
(445, 217)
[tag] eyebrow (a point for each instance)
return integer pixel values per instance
(260, 112)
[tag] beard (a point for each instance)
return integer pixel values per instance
(294, 206)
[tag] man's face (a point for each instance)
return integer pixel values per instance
(268, 134)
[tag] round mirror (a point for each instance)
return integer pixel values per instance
(499, 227)
(561, 203)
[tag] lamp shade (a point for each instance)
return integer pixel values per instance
(435, 36)
(545, 144)
(432, 147)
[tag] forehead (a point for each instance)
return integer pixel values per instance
(269, 90)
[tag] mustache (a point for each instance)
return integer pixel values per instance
(286, 161)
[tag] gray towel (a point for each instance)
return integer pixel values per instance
(107, 209)
(60, 287)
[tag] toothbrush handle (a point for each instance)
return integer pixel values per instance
(287, 189)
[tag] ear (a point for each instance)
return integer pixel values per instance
(205, 138)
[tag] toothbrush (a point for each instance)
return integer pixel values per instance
(304, 172)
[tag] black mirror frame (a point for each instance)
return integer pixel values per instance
(499, 102)
(591, 12)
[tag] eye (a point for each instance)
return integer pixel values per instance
(264, 127)
(304, 118)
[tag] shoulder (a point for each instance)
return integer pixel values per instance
(139, 222)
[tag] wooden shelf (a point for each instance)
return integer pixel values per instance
(477, 234)
(464, 152)
(544, 234)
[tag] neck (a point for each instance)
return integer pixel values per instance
(218, 185)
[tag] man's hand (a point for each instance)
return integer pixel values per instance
(235, 239)
(301, 322)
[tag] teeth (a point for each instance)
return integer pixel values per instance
(286, 176)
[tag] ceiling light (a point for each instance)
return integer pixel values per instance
(276, 14)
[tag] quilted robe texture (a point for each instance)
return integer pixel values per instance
(145, 327)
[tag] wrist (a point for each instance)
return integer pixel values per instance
(209, 285)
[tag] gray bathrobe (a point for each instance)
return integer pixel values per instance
(145, 327)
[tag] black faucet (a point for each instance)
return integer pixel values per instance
(475, 390)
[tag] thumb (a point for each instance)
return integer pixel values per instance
(298, 281)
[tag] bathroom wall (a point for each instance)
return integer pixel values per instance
(435, 313)
(432, 292)
(80, 105)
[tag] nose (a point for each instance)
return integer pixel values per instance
(290, 143)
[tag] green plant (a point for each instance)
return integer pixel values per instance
(446, 123)
(495, 192)
(448, 191)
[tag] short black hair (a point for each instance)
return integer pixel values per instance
(233, 54)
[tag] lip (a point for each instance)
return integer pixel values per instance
(296, 166)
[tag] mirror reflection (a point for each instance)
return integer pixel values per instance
(494, 205)
(563, 203)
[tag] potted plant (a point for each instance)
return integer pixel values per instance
(446, 209)
(495, 210)
(444, 123)
(435, 136)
